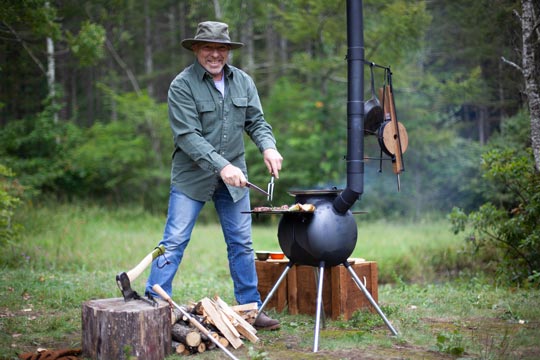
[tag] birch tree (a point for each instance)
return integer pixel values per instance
(530, 47)
(530, 23)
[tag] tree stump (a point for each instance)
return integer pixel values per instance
(115, 329)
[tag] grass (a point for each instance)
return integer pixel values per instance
(71, 254)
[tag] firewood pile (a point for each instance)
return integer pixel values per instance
(230, 325)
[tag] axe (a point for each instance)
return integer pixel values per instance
(123, 280)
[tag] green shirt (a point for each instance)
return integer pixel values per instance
(208, 129)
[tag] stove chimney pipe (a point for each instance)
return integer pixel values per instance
(355, 108)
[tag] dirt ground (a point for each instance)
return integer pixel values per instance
(298, 344)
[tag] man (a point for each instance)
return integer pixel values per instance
(211, 104)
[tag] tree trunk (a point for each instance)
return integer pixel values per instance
(530, 40)
(271, 46)
(246, 31)
(50, 67)
(217, 10)
(481, 122)
(148, 51)
(115, 329)
(51, 70)
(183, 33)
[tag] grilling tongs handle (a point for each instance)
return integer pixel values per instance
(270, 189)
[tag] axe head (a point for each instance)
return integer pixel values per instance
(122, 280)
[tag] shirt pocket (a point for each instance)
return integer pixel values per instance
(207, 115)
(239, 110)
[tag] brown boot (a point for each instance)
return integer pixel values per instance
(264, 322)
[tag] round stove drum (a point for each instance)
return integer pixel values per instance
(324, 235)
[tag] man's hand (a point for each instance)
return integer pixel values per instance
(273, 160)
(233, 176)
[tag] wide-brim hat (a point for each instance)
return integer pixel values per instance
(211, 31)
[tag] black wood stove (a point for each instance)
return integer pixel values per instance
(327, 236)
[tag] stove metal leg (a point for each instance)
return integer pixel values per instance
(369, 297)
(274, 288)
(323, 314)
(319, 307)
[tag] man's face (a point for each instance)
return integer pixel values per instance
(212, 56)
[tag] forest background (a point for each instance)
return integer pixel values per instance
(83, 114)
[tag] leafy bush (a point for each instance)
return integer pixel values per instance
(120, 159)
(9, 200)
(509, 222)
(128, 157)
(503, 233)
(36, 149)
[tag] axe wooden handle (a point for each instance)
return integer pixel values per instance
(159, 290)
(137, 270)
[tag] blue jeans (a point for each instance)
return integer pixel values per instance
(182, 215)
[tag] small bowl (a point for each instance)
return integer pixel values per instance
(277, 255)
(262, 255)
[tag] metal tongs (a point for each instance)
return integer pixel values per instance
(270, 189)
(255, 187)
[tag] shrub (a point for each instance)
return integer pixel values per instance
(10, 191)
(509, 222)
(36, 149)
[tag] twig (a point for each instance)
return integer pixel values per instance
(119, 60)
(517, 14)
(511, 63)
(124, 66)
(25, 46)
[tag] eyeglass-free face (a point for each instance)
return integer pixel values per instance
(212, 57)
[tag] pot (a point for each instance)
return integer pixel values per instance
(373, 111)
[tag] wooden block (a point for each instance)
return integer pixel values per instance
(292, 292)
(341, 295)
(115, 329)
(268, 273)
(346, 295)
(304, 283)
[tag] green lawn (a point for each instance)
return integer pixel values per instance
(70, 254)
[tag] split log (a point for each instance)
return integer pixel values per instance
(245, 307)
(115, 329)
(178, 347)
(241, 325)
(197, 308)
(219, 338)
(223, 341)
(223, 323)
(186, 335)
(248, 312)
(176, 315)
(216, 317)
(201, 348)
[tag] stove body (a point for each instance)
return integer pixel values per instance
(324, 235)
